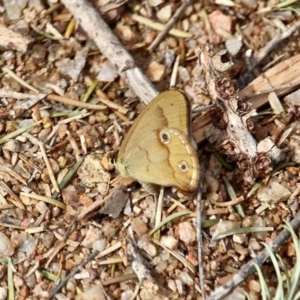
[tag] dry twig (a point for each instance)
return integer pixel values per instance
(247, 269)
(169, 25)
(93, 24)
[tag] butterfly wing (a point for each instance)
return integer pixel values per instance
(168, 109)
(144, 154)
(171, 162)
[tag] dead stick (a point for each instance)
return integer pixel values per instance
(72, 274)
(247, 269)
(108, 44)
(275, 41)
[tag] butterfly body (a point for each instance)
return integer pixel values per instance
(157, 149)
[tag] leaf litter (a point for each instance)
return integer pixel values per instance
(58, 216)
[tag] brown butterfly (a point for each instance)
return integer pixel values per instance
(157, 149)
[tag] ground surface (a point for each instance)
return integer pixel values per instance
(56, 210)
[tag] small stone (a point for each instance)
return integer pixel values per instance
(108, 72)
(73, 67)
(224, 226)
(92, 235)
(6, 249)
(44, 134)
(184, 74)
(12, 146)
(294, 146)
(254, 285)
(239, 238)
(96, 292)
(3, 293)
(233, 46)
(125, 34)
(273, 193)
(42, 207)
(185, 278)
(92, 172)
(164, 14)
(292, 99)
(14, 8)
(260, 222)
(108, 230)
(37, 5)
(186, 232)
(155, 3)
(161, 267)
(156, 71)
(237, 294)
(150, 249)
(172, 285)
(28, 245)
(169, 242)
(139, 226)
(99, 245)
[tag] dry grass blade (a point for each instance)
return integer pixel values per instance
(233, 196)
(102, 98)
(58, 248)
(18, 132)
(230, 203)
(178, 256)
(109, 250)
(33, 230)
(158, 213)
(14, 198)
(6, 206)
(119, 279)
(44, 199)
(11, 290)
(13, 173)
(82, 76)
(13, 226)
(29, 163)
(160, 27)
(49, 168)
(240, 231)
(69, 175)
(273, 100)
(18, 79)
(75, 103)
(169, 25)
(169, 219)
(111, 261)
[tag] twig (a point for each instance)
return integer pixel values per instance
(159, 26)
(92, 207)
(102, 98)
(14, 198)
(12, 173)
(72, 274)
(119, 279)
(18, 79)
(249, 268)
(49, 168)
(169, 25)
(229, 203)
(267, 91)
(68, 101)
(93, 24)
(175, 72)
(275, 41)
(273, 99)
(199, 230)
